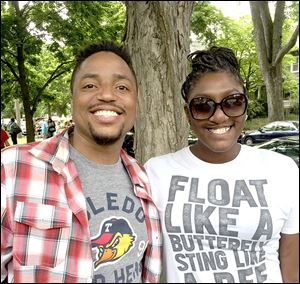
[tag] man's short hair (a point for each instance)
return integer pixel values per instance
(92, 48)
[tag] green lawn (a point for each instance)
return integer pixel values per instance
(21, 140)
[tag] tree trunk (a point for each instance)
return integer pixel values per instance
(158, 40)
(268, 38)
(22, 78)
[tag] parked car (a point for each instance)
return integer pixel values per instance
(271, 130)
(192, 139)
(288, 145)
(128, 144)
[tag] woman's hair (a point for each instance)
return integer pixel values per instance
(215, 59)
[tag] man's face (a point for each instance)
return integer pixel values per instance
(104, 99)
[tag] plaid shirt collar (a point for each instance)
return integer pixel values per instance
(56, 152)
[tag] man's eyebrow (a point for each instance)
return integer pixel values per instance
(115, 75)
(121, 77)
(89, 75)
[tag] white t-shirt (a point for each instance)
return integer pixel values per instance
(222, 222)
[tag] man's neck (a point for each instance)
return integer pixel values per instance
(102, 154)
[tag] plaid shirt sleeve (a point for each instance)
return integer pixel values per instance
(44, 226)
(152, 266)
(6, 233)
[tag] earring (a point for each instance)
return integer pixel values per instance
(246, 116)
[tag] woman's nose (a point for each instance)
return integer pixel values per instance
(219, 115)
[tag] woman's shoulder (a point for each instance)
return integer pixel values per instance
(166, 158)
(266, 155)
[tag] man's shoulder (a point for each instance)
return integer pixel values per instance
(17, 153)
(19, 148)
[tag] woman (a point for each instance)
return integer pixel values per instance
(51, 127)
(229, 212)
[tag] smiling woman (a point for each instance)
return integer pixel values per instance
(206, 192)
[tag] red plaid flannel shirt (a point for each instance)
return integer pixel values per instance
(44, 226)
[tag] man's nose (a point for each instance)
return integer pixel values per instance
(106, 93)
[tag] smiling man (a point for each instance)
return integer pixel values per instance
(76, 207)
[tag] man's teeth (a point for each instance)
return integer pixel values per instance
(106, 113)
(219, 130)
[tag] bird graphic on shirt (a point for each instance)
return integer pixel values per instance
(114, 240)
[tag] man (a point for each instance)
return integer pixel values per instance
(14, 130)
(76, 207)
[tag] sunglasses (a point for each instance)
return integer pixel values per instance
(233, 106)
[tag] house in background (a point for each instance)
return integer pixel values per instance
(294, 67)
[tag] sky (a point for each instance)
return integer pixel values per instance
(233, 9)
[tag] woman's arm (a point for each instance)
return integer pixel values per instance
(289, 258)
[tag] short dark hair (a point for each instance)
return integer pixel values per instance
(92, 48)
(215, 59)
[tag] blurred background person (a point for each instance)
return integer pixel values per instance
(4, 138)
(51, 127)
(44, 130)
(14, 130)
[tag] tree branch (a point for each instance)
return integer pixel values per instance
(267, 26)
(277, 28)
(284, 50)
(259, 34)
(11, 68)
(53, 76)
(11, 53)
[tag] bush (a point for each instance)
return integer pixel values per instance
(257, 108)
(294, 107)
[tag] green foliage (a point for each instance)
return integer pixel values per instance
(238, 36)
(49, 34)
(257, 108)
(77, 23)
(294, 107)
(207, 22)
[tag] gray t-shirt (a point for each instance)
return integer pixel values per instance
(116, 220)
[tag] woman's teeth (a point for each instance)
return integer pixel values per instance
(219, 130)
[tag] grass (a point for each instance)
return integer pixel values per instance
(21, 140)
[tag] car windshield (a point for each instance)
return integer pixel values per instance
(296, 123)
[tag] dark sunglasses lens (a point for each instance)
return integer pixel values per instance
(201, 108)
(234, 105)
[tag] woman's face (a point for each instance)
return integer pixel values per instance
(217, 135)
